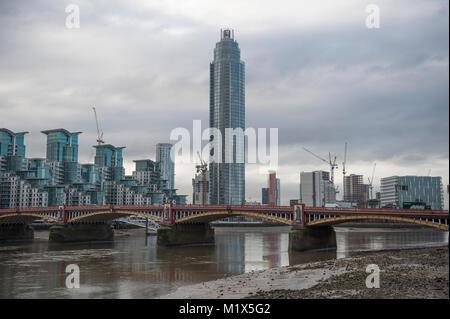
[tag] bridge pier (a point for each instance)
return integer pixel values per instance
(81, 232)
(185, 234)
(13, 232)
(309, 238)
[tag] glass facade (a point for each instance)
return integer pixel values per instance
(108, 156)
(412, 192)
(227, 110)
(11, 143)
(166, 164)
(62, 145)
(59, 179)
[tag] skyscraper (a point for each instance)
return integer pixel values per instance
(166, 164)
(227, 110)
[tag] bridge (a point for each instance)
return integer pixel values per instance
(190, 217)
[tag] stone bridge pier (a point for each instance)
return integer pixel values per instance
(309, 238)
(185, 234)
(13, 232)
(79, 232)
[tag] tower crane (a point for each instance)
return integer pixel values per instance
(332, 164)
(343, 170)
(99, 130)
(203, 168)
(371, 180)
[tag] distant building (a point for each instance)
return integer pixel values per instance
(16, 192)
(273, 189)
(278, 193)
(412, 192)
(316, 189)
(254, 203)
(265, 196)
(109, 161)
(59, 179)
(272, 186)
(11, 143)
(166, 163)
(151, 183)
(62, 145)
(355, 190)
(200, 187)
(12, 150)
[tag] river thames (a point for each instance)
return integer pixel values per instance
(133, 266)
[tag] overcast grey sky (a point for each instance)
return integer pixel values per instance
(313, 70)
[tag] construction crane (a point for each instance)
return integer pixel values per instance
(332, 164)
(344, 162)
(99, 130)
(371, 180)
(203, 168)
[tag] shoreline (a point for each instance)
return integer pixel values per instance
(407, 273)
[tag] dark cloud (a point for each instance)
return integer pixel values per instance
(320, 80)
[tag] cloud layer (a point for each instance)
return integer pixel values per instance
(315, 72)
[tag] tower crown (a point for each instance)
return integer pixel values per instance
(227, 34)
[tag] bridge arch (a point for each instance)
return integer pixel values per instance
(29, 217)
(112, 215)
(212, 216)
(343, 219)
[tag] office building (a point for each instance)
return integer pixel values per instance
(316, 189)
(412, 192)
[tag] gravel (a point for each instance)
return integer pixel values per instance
(404, 274)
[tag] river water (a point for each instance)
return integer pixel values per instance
(134, 266)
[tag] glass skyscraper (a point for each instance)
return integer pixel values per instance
(166, 164)
(227, 110)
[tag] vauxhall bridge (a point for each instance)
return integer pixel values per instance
(190, 223)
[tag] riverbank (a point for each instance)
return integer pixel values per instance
(413, 273)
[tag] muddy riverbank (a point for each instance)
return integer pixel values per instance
(413, 273)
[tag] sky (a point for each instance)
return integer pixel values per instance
(313, 70)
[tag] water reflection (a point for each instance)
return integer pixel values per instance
(245, 250)
(135, 267)
(352, 240)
